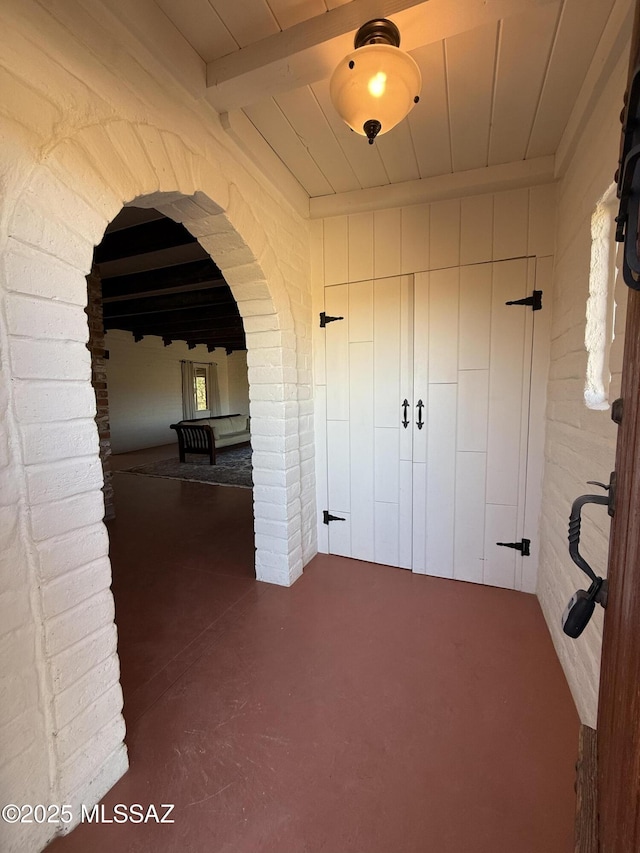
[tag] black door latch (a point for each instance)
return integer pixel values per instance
(581, 606)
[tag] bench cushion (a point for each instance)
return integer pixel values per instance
(223, 427)
(238, 423)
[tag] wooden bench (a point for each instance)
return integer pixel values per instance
(195, 438)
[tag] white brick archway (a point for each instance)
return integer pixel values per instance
(271, 359)
(61, 214)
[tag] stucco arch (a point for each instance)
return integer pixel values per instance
(77, 187)
(81, 185)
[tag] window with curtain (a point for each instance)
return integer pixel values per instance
(200, 390)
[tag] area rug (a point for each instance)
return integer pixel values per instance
(232, 468)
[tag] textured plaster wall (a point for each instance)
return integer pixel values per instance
(580, 441)
(87, 126)
(145, 387)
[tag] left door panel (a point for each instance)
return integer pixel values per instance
(368, 373)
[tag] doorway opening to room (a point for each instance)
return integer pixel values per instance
(168, 349)
(174, 346)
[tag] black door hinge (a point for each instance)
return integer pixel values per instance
(523, 547)
(327, 517)
(535, 301)
(326, 318)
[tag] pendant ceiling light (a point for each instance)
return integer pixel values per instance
(377, 85)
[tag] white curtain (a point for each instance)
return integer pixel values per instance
(188, 395)
(214, 390)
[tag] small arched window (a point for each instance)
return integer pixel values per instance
(601, 306)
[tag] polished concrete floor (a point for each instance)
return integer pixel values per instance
(363, 710)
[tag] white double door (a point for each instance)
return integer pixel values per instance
(435, 494)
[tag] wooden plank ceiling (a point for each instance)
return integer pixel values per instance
(500, 78)
(493, 93)
(158, 280)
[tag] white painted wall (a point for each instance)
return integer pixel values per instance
(397, 241)
(580, 442)
(237, 383)
(145, 387)
(90, 122)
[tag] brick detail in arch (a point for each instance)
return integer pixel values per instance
(96, 347)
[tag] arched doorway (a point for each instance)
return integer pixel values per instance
(59, 217)
(167, 343)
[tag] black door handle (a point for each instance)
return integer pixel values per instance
(419, 407)
(405, 413)
(580, 609)
(575, 523)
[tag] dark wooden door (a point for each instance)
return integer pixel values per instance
(618, 735)
(619, 708)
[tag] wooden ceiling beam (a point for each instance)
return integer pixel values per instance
(311, 33)
(166, 319)
(523, 173)
(153, 260)
(216, 298)
(294, 57)
(194, 272)
(171, 329)
(310, 50)
(148, 294)
(143, 237)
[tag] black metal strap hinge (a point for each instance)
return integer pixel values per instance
(325, 318)
(535, 301)
(327, 517)
(524, 547)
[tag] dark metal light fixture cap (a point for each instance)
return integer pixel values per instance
(377, 31)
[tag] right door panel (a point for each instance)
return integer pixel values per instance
(472, 363)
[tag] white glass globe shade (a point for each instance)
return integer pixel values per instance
(376, 82)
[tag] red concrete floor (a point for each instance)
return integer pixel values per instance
(363, 710)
